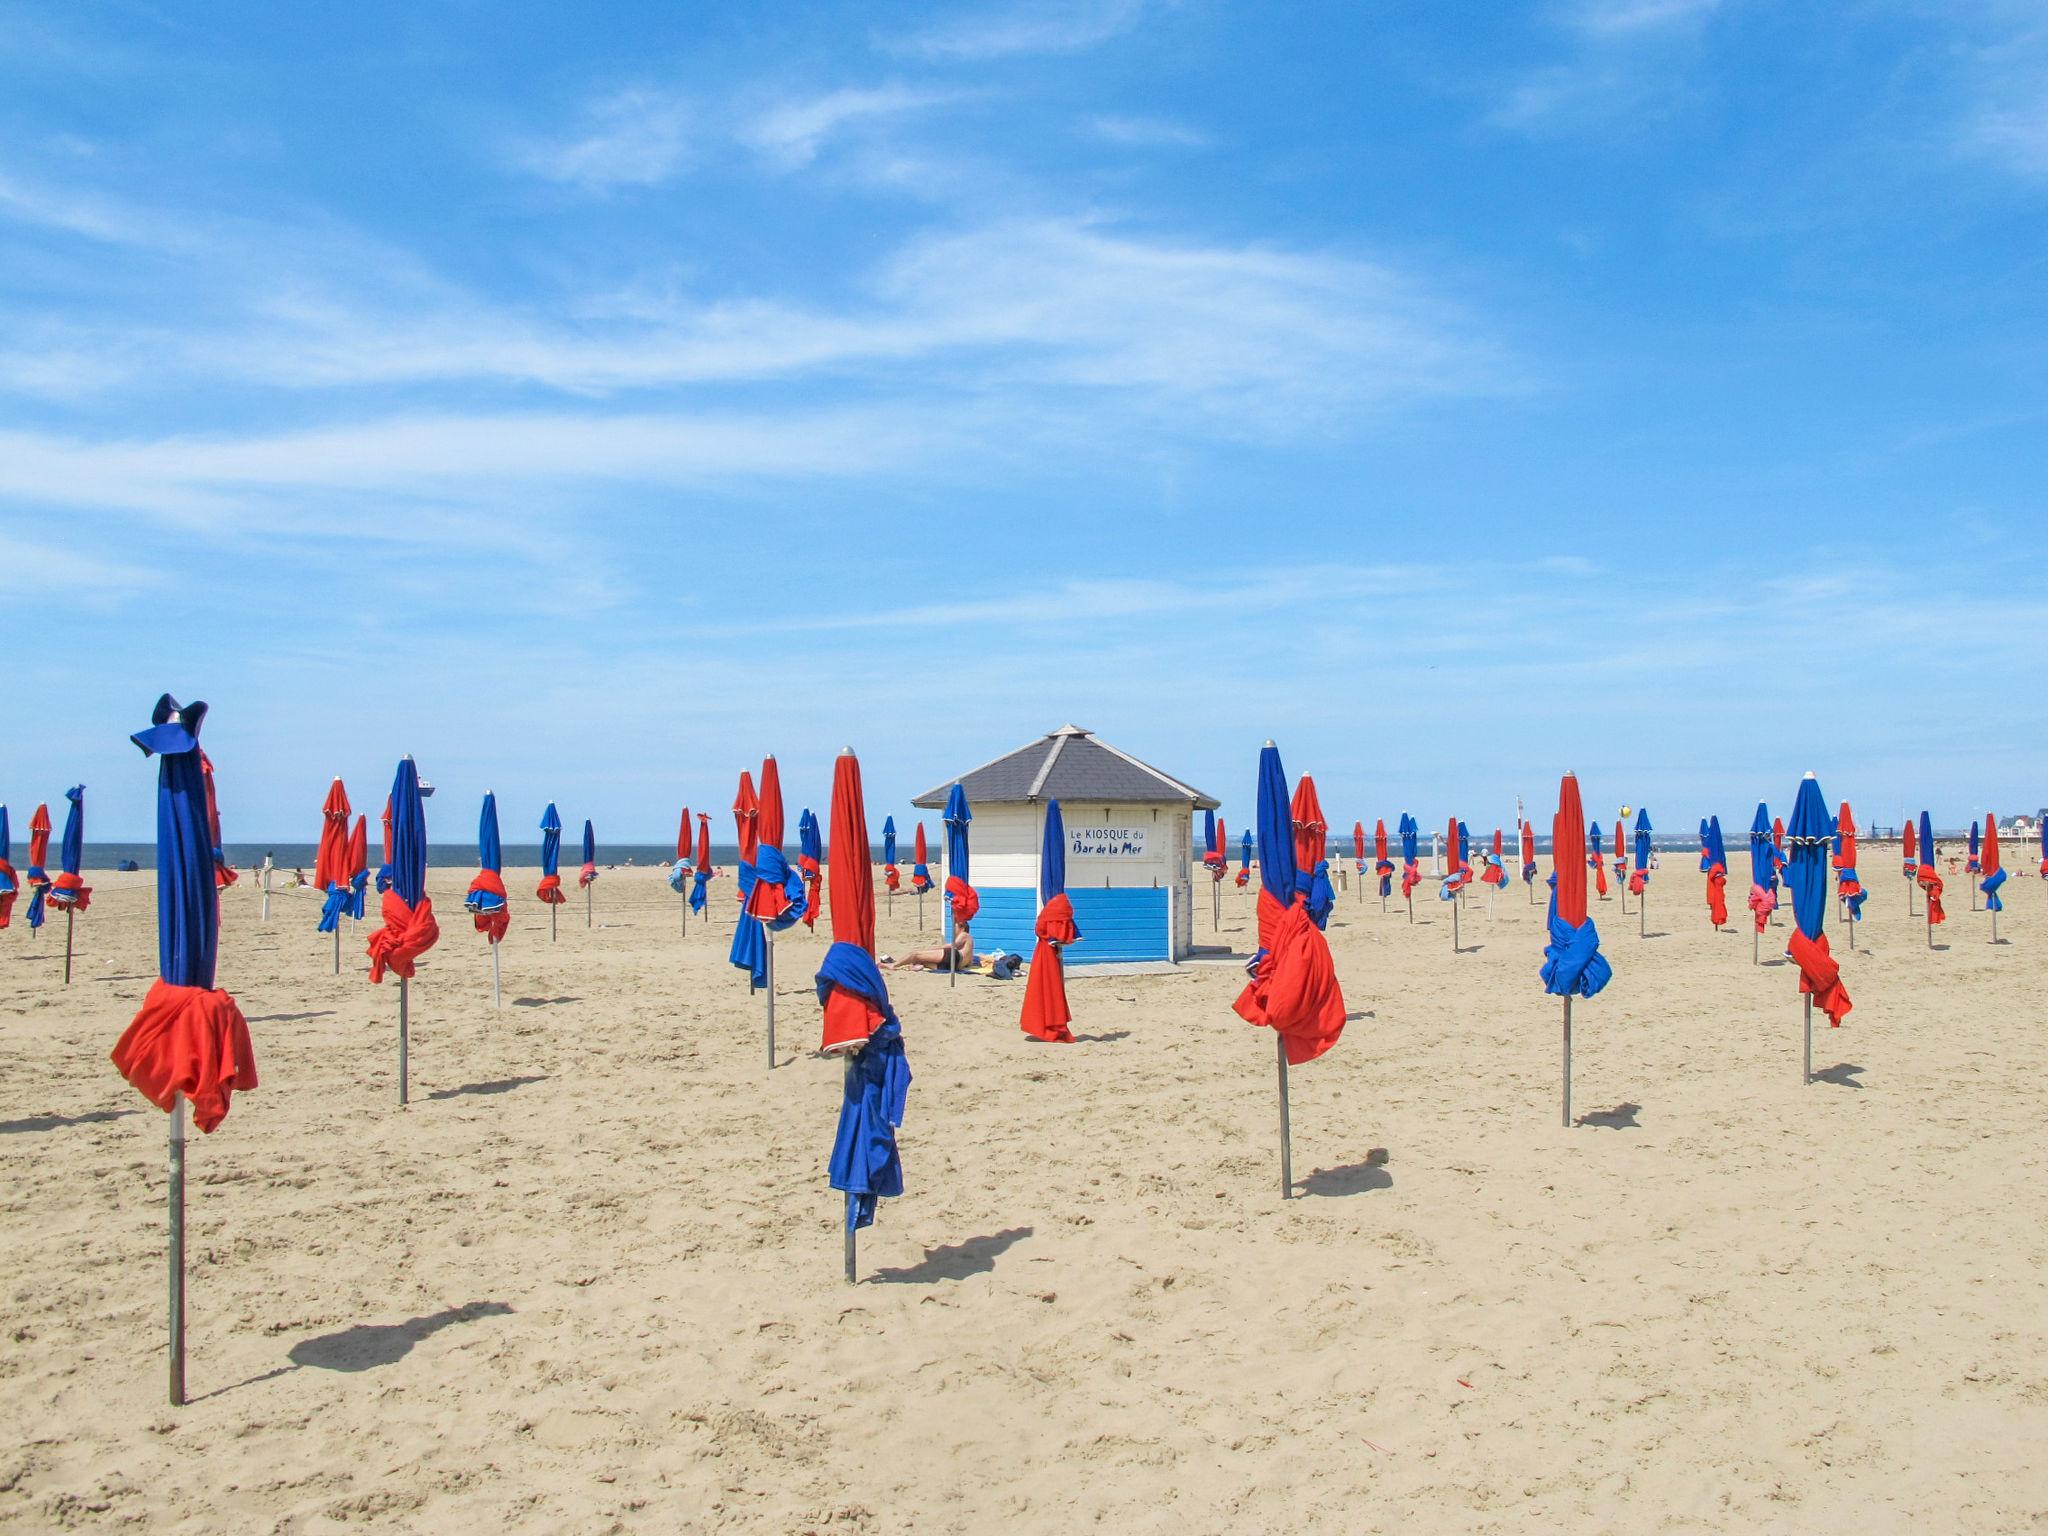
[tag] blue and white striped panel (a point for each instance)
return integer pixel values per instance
(1118, 925)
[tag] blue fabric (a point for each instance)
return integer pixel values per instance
(332, 906)
(1973, 840)
(1052, 855)
(1717, 850)
(1321, 898)
(1926, 839)
(1763, 860)
(589, 843)
(809, 841)
(1990, 889)
(1410, 831)
(6, 842)
(1593, 840)
(1572, 963)
(1244, 850)
(36, 872)
(550, 841)
(489, 855)
(770, 866)
(1642, 858)
(356, 884)
(865, 1164)
(888, 839)
(679, 876)
(1808, 836)
(701, 882)
(1275, 821)
(73, 848)
(749, 948)
(1706, 856)
(408, 835)
(1208, 832)
(957, 817)
(187, 905)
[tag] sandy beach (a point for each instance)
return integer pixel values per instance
(590, 1279)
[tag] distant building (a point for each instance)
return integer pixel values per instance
(1130, 847)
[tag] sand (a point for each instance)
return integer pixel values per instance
(590, 1279)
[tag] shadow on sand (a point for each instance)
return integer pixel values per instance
(955, 1261)
(1620, 1118)
(1351, 1179)
(57, 1122)
(501, 1085)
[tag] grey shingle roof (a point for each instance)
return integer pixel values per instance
(1069, 765)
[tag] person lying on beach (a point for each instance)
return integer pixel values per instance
(934, 959)
(298, 878)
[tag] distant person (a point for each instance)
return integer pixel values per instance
(934, 959)
(298, 878)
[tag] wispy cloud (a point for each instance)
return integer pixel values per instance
(2004, 79)
(1146, 132)
(630, 138)
(1626, 18)
(1049, 26)
(1627, 59)
(791, 133)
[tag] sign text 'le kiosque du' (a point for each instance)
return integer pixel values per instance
(1106, 842)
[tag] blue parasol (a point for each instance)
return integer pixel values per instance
(9, 883)
(485, 900)
(69, 892)
(1809, 837)
(188, 1043)
(1763, 855)
(962, 902)
(1052, 855)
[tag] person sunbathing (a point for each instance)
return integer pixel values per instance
(934, 959)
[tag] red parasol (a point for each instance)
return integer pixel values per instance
(1311, 832)
(330, 863)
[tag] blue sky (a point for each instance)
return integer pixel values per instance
(590, 400)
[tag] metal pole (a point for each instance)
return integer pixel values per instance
(920, 911)
(404, 1096)
(266, 889)
(771, 1002)
(1410, 899)
(684, 896)
(1215, 908)
(70, 916)
(551, 921)
(1643, 915)
(1755, 946)
(588, 922)
(1994, 927)
(177, 1251)
(1806, 1071)
(850, 1276)
(1930, 928)
(1286, 1130)
(497, 993)
(337, 946)
(1454, 927)
(1567, 1063)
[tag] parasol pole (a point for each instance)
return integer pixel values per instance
(266, 888)
(771, 995)
(337, 946)
(1409, 897)
(551, 921)
(1567, 1063)
(497, 994)
(1852, 931)
(1806, 1072)
(1930, 928)
(70, 913)
(683, 897)
(1286, 1130)
(1643, 914)
(404, 1097)
(1216, 907)
(1454, 927)
(1755, 945)
(847, 1079)
(920, 911)
(588, 920)
(177, 1250)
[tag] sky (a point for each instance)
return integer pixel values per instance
(589, 401)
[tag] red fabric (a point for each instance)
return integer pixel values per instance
(893, 877)
(1930, 882)
(1568, 852)
(812, 886)
(1379, 841)
(1762, 903)
(920, 857)
(1046, 1014)
(1495, 872)
(846, 856)
(492, 923)
(1311, 831)
(408, 933)
(7, 898)
(1910, 849)
(1411, 876)
(387, 830)
(683, 838)
(746, 814)
(1295, 988)
(1845, 829)
(550, 890)
(69, 890)
(39, 838)
(191, 1041)
(1358, 841)
(1599, 868)
(1819, 976)
(704, 841)
(329, 862)
(1778, 837)
(1636, 881)
(1717, 894)
(359, 848)
(765, 901)
(1244, 876)
(848, 1018)
(769, 827)
(223, 872)
(1989, 855)
(965, 900)
(585, 875)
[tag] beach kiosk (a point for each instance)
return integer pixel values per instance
(1130, 848)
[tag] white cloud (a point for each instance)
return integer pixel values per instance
(1146, 132)
(1624, 18)
(1050, 26)
(792, 133)
(632, 138)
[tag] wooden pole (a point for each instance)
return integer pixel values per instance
(684, 896)
(404, 998)
(551, 921)
(1567, 1063)
(1286, 1129)
(1454, 927)
(177, 1250)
